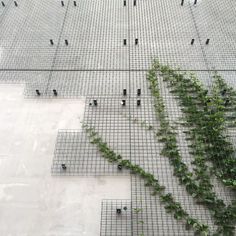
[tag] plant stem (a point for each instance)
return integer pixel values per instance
(201, 187)
(167, 199)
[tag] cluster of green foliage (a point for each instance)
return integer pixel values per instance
(228, 95)
(199, 187)
(151, 181)
(205, 115)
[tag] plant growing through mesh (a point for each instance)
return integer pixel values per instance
(200, 188)
(228, 95)
(205, 115)
(170, 204)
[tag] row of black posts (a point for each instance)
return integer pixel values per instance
(193, 40)
(54, 92)
(125, 3)
(15, 3)
(63, 4)
(182, 2)
(67, 43)
(123, 102)
(125, 42)
(75, 3)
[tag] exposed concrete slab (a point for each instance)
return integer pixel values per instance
(32, 202)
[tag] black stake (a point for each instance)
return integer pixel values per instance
(95, 103)
(75, 3)
(134, 2)
(139, 92)
(15, 3)
(124, 92)
(136, 41)
(138, 103)
(195, 2)
(51, 41)
(192, 42)
(207, 41)
(182, 2)
(125, 41)
(118, 211)
(123, 103)
(66, 42)
(3, 4)
(63, 166)
(119, 167)
(54, 92)
(37, 92)
(124, 3)
(62, 4)
(223, 92)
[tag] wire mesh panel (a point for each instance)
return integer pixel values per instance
(107, 118)
(12, 77)
(215, 22)
(116, 218)
(102, 50)
(164, 29)
(146, 152)
(29, 34)
(75, 155)
(95, 33)
(149, 215)
(89, 83)
(4, 6)
(176, 116)
(35, 84)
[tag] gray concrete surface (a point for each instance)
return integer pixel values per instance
(32, 202)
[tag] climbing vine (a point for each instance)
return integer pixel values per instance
(168, 200)
(200, 188)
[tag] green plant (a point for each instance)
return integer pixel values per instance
(205, 115)
(170, 204)
(137, 210)
(200, 187)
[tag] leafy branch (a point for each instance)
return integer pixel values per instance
(205, 116)
(170, 204)
(200, 188)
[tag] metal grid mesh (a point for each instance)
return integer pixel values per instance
(89, 83)
(98, 42)
(145, 151)
(131, 138)
(155, 220)
(216, 21)
(167, 35)
(96, 63)
(113, 223)
(25, 34)
(95, 40)
(80, 157)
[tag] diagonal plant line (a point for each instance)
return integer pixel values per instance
(228, 95)
(167, 199)
(225, 217)
(205, 115)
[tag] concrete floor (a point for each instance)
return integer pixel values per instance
(32, 202)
